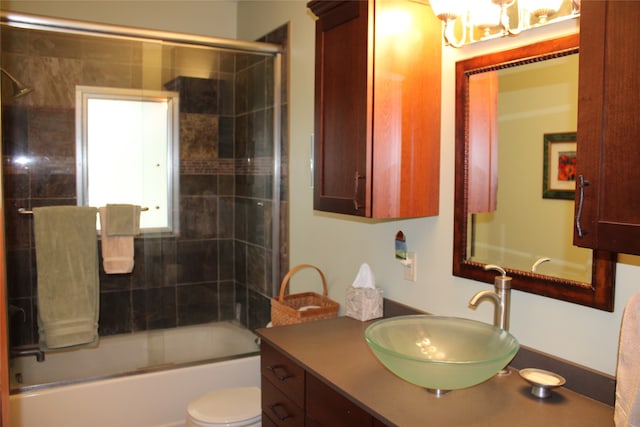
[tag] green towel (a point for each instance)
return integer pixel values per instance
(68, 284)
(123, 220)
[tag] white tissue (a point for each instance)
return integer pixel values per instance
(365, 278)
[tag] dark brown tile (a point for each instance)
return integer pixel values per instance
(198, 136)
(154, 308)
(19, 268)
(226, 256)
(197, 95)
(259, 310)
(227, 299)
(199, 217)
(53, 185)
(115, 313)
(198, 185)
(52, 132)
(197, 261)
(197, 303)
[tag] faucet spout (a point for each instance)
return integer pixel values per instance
(500, 314)
(475, 300)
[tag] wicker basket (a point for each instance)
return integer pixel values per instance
(303, 307)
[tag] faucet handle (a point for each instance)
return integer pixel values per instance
(500, 282)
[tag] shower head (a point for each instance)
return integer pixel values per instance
(19, 88)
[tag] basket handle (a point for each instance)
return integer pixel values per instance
(294, 270)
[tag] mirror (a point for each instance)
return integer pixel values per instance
(516, 115)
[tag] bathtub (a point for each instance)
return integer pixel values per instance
(110, 395)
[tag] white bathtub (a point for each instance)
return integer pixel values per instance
(150, 399)
(134, 352)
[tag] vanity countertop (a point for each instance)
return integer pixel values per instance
(335, 350)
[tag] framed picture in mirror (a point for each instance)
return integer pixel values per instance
(559, 170)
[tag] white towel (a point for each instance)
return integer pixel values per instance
(117, 251)
(627, 408)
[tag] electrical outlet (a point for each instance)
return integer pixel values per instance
(410, 267)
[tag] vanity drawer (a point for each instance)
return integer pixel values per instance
(283, 373)
(278, 409)
(326, 407)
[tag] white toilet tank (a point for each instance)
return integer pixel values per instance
(230, 407)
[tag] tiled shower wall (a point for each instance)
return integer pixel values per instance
(219, 266)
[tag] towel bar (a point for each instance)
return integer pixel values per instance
(23, 211)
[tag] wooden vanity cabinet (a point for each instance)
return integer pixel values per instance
(377, 108)
(293, 397)
(283, 383)
(608, 216)
(325, 407)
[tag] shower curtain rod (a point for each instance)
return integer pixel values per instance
(23, 211)
(59, 24)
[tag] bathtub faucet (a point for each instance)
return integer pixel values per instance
(39, 354)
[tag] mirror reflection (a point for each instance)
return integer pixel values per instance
(516, 121)
(525, 109)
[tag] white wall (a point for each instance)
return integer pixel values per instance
(339, 244)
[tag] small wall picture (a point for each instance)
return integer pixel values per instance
(559, 174)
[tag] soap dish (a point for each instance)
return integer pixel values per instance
(541, 381)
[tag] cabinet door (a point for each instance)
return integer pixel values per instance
(278, 408)
(342, 130)
(406, 110)
(608, 213)
(283, 373)
(326, 407)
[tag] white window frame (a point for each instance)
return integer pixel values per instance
(169, 214)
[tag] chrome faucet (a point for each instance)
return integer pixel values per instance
(501, 296)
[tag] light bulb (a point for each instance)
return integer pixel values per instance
(542, 9)
(448, 9)
(485, 15)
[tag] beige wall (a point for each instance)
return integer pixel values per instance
(212, 18)
(338, 244)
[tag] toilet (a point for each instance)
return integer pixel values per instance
(230, 407)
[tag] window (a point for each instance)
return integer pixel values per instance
(127, 151)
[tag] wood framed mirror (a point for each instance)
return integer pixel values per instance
(511, 107)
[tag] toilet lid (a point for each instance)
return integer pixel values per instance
(226, 405)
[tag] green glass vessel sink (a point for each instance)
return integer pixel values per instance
(441, 353)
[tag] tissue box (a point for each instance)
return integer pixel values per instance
(364, 303)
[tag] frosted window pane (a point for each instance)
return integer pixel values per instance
(127, 147)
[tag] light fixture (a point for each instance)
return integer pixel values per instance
(468, 21)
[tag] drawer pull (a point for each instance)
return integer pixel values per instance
(280, 372)
(356, 189)
(582, 183)
(279, 411)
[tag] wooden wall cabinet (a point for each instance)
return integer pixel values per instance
(608, 206)
(293, 397)
(377, 108)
